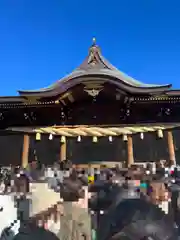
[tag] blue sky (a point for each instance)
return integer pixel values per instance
(42, 40)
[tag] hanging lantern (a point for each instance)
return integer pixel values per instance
(160, 133)
(38, 136)
(141, 136)
(125, 138)
(79, 139)
(95, 139)
(50, 136)
(110, 139)
(63, 139)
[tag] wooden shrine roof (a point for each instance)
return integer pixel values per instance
(95, 73)
(96, 66)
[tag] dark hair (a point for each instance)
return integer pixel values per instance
(74, 175)
(83, 171)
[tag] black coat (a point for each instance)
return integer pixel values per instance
(35, 233)
(137, 218)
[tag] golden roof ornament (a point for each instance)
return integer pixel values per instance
(93, 92)
(94, 41)
(93, 51)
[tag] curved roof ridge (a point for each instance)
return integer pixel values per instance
(112, 67)
(96, 64)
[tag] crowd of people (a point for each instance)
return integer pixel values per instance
(157, 184)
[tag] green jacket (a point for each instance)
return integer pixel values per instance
(75, 223)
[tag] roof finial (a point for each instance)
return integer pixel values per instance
(94, 41)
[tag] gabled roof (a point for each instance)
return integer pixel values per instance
(96, 66)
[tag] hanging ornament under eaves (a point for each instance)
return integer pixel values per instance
(50, 136)
(63, 139)
(110, 138)
(125, 138)
(79, 139)
(38, 136)
(160, 133)
(141, 135)
(95, 139)
(93, 92)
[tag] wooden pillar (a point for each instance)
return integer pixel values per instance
(63, 151)
(25, 151)
(130, 155)
(171, 151)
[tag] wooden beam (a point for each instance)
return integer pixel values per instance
(32, 99)
(63, 151)
(25, 151)
(130, 155)
(71, 98)
(171, 151)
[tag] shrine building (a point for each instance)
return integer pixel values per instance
(96, 113)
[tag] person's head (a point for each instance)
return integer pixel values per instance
(16, 170)
(74, 174)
